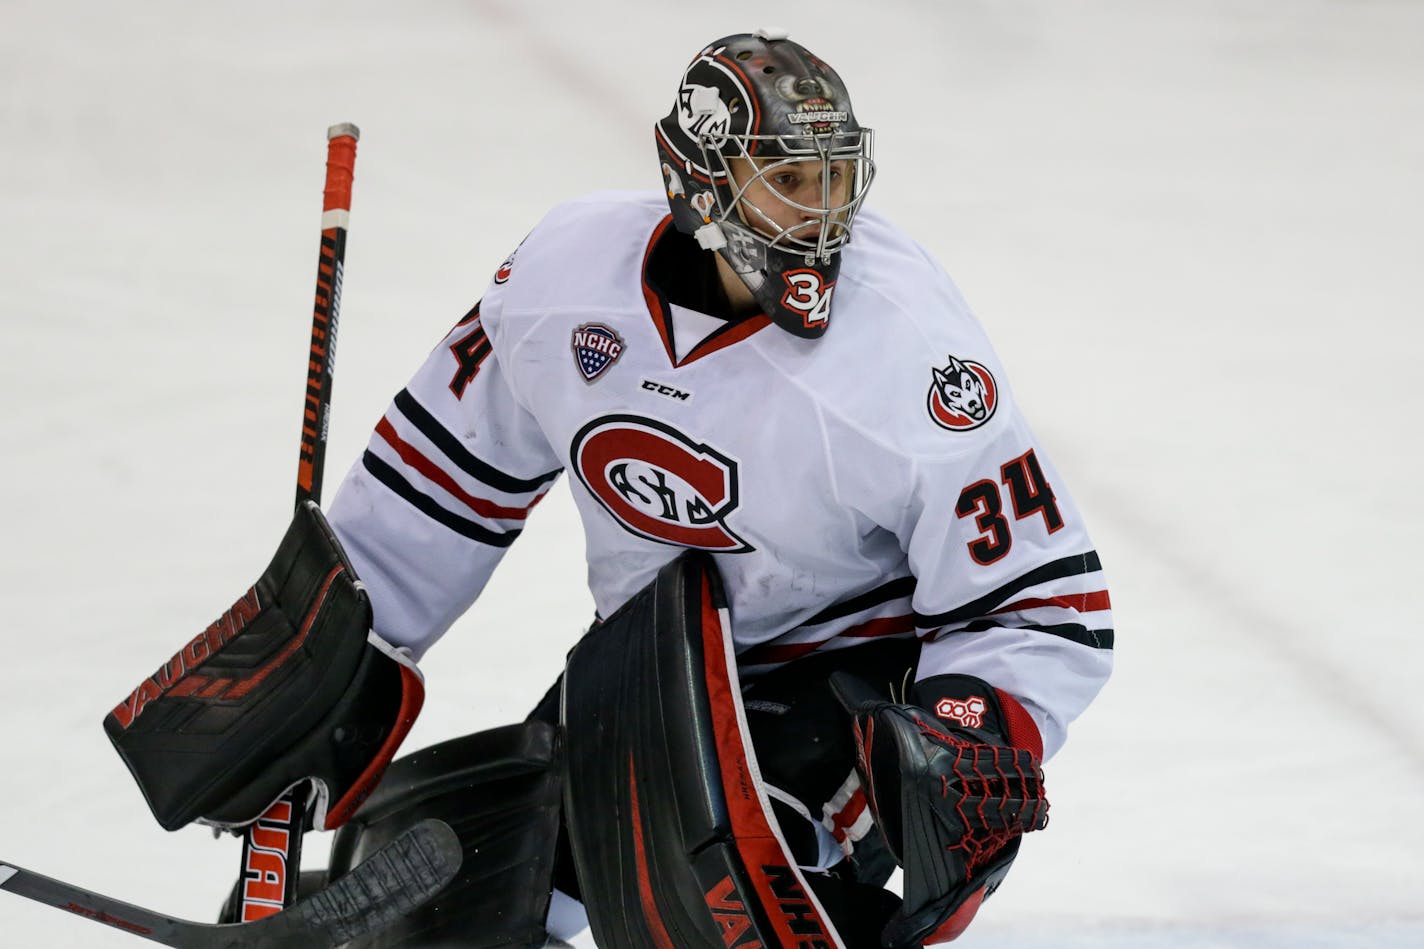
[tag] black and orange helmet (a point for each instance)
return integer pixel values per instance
(764, 162)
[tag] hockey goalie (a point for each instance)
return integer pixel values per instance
(847, 607)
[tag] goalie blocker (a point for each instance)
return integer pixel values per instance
(288, 684)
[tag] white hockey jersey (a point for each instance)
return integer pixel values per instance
(879, 481)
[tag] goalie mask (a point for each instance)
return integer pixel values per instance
(764, 163)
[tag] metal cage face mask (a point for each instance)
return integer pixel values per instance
(797, 195)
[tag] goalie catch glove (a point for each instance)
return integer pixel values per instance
(954, 780)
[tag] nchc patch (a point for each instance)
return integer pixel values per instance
(596, 347)
(963, 395)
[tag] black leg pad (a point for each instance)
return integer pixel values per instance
(670, 827)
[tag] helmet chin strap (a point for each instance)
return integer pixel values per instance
(710, 236)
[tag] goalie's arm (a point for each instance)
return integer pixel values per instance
(1009, 586)
(445, 486)
(1012, 612)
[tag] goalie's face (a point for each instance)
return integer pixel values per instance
(793, 201)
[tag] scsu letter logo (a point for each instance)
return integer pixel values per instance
(658, 483)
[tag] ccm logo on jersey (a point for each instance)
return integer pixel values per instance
(967, 712)
(658, 483)
(671, 392)
(962, 395)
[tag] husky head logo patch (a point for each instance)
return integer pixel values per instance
(962, 396)
(505, 269)
(596, 347)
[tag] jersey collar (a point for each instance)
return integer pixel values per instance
(661, 311)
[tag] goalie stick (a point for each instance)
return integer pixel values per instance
(335, 212)
(395, 880)
(272, 845)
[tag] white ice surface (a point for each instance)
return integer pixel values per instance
(1193, 228)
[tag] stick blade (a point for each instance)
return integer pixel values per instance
(397, 879)
(394, 881)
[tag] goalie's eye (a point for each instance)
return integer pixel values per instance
(786, 181)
